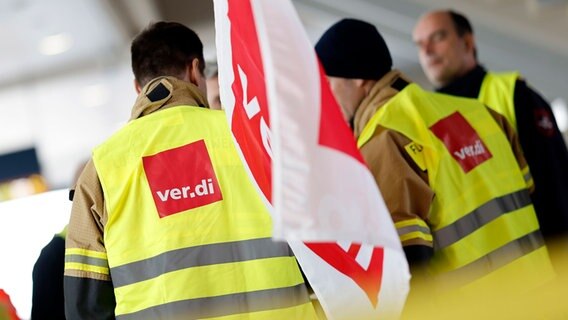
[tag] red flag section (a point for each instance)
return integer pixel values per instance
(304, 160)
(369, 279)
(250, 123)
(334, 132)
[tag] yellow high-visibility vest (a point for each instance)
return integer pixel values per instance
(481, 221)
(63, 233)
(498, 91)
(187, 234)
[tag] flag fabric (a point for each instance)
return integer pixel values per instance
(303, 159)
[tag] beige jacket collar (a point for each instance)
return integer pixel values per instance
(380, 94)
(172, 92)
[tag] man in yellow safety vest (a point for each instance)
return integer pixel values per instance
(165, 221)
(448, 55)
(450, 170)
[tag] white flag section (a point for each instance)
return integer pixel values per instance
(26, 226)
(303, 158)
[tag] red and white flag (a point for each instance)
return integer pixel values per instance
(304, 161)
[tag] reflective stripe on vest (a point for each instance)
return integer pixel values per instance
(497, 92)
(187, 233)
(198, 256)
(233, 304)
(528, 244)
(528, 177)
(481, 208)
(479, 217)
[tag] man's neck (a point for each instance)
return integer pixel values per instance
(468, 85)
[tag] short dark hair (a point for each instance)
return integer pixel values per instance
(462, 26)
(164, 49)
(461, 23)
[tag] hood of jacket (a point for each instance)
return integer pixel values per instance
(165, 92)
(381, 92)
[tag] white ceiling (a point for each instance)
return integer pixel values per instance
(44, 100)
(530, 32)
(24, 23)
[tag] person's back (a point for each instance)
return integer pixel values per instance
(481, 221)
(448, 56)
(446, 170)
(47, 297)
(175, 229)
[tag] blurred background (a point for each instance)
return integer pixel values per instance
(66, 83)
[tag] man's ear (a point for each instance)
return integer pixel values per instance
(192, 72)
(366, 84)
(137, 87)
(358, 82)
(469, 42)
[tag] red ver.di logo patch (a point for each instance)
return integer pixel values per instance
(544, 122)
(462, 141)
(182, 178)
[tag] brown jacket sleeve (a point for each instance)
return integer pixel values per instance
(515, 146)
(403, 184)
(88, 216)
(89, 293)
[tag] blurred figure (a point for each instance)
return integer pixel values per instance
(47, 296)
(165, 222)
(213, 96)
(7, 310)
(449, 169)
(448, 55)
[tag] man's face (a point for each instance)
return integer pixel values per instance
(348, 93)
(213, 93)
(443, 53)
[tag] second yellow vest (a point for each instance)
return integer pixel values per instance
(497, 92)
(481, 218)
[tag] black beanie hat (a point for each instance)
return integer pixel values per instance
(354, 49)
